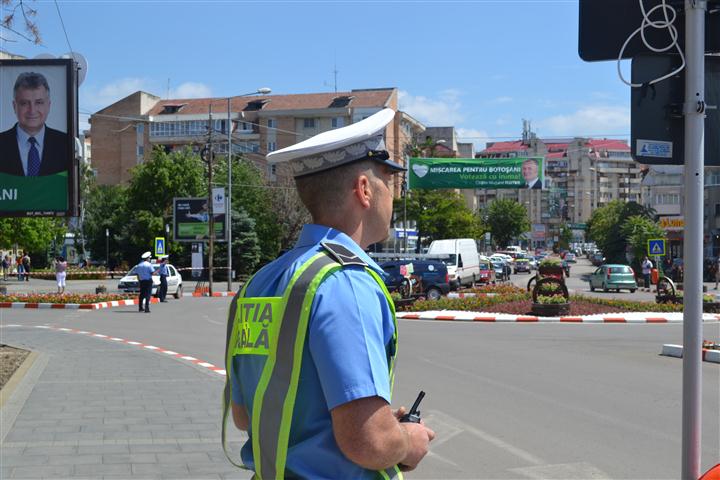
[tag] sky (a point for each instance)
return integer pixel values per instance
(481, 66)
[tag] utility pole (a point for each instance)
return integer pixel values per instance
(228, 196)
(211, 216)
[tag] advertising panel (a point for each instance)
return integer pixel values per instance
(191, 220)
(37, 138)
(502, 173)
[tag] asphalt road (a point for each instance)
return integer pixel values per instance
(577, 283)
(506, 400)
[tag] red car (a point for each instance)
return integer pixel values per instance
(487, 272)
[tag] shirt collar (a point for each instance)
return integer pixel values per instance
(23, 136)
(313, 234)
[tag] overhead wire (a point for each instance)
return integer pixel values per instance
(62, 23)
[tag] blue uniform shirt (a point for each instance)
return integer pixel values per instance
(144, 270)
(163, 270)
(345, 355)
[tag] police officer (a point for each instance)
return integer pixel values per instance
(144, 272)
(312, 336)
(163, 272)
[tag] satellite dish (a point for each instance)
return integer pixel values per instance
(81, 62)
(44, 56)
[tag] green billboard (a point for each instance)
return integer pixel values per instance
(504, 173)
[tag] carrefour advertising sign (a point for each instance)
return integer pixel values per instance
(504, 173)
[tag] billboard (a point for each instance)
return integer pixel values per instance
(502, 173)
(191, 220)
(38, 126)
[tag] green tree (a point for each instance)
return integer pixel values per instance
(638, 230)
(605, 227)
(506, 219)
(439, 214)
(245, 245)
(39, 236)
(105, 211)
(565, 236)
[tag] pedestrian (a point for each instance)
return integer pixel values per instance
(163, 272)
(19, 267)
(144, 272)
(60, 273)
(26, 266)
(338, 333)
(647, 266)
(5, 266)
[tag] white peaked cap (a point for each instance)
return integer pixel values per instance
(363, 140)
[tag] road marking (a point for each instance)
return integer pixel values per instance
(444, 423)
(562, 471)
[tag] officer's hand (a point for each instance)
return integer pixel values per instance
(399, 412)
(420, 437)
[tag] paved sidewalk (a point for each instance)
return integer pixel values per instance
(90, 408)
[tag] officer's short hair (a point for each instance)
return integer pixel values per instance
(30, 81)
(329, 189)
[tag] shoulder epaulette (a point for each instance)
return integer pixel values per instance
(342, 255)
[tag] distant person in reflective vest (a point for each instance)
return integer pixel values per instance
(163, 271)
(313, 335)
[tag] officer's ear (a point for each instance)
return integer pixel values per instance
(362, 189)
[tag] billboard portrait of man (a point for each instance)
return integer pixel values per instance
(531, 174)
(30, 148)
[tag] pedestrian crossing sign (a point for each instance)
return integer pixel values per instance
(160, 247)
(656, 246)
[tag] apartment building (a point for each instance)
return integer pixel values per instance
(581, 174)
(125, 132)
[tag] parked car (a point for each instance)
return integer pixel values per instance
(428, 278)
(613, 276)
(597, 259)
(502, 270)
(130, 284)
(521, 265)
(487, 272)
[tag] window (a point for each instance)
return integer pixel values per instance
(338, 122)
(667, 199)
(309, 123)
(717, 209)
(271, 146)
(271, 123)
(272, 171)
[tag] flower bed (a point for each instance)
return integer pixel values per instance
(67, 298)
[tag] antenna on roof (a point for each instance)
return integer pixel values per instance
(335, 71)
(167, 95)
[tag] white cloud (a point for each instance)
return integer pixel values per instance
(433, 112)
(478, 137)
(191, 90)
(96, 98)
(593, 120)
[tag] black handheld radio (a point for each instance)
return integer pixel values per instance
(413, 416)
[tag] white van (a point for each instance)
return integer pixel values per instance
(462, 259)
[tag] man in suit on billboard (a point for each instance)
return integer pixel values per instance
(530, 172)
(30, 148)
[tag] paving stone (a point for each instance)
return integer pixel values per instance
(59, 450)
(155, 448)
(171, 471)
(183, 457)
(103, 449)
(24, 460)
(75, 460)
(102, 469)
(51, 471)
(130, 458)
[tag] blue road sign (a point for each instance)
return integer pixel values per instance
(656, 246)
(159, 246)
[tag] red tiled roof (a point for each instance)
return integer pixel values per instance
(556, 155)
(500, 147)
(609, 144)
(194, 106)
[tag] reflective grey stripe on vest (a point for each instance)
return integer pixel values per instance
(391, 473)
(279, 383)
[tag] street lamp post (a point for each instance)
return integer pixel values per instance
(228, 208)
(107, 248)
